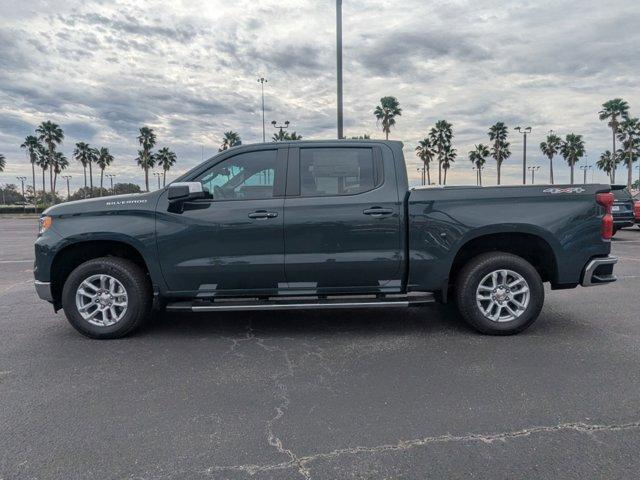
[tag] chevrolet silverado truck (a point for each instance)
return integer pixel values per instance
(320, 225)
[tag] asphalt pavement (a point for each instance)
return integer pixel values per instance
(358, 394)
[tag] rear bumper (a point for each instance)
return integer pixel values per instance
(43, 289)
(599, 271)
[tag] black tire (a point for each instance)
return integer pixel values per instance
(132, 278)
(472, 275)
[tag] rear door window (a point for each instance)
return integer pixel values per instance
(337, 171)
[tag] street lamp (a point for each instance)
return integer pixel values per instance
(339, 65)
(280, 127)
(524, 131)
(158, 175)
(22, 180)
(111, 176)
(584, 168)
(262, 81)
(67, 178)
(533, 171)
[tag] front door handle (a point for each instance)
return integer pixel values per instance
(260, 214)
(377, 211)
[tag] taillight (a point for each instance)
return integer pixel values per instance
(606, 200)
(636, 210)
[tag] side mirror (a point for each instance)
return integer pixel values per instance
(185, 191)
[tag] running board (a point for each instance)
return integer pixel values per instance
(300, 303)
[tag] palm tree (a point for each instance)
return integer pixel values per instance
(572, 149)
(448, 158)
(167, 159)
(149, 162)
(93, 158)
(425, 152)
(82, 154)
(629, 135)
(500, 149)
(31, 145)
(613, 110)
(51, 134)
(550, 148)
(440, 137)
(104, 160)
(43, 162)
(60, 163)
(230, 139)
(607, 164)
(387, 112)
(283, 136)
(293, 136)
(479, 157)
(147, 141)
(3, 163)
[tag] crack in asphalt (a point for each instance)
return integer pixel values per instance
(301, 462)
(281, 393)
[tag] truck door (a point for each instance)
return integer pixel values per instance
(231, 243)
(342, 224)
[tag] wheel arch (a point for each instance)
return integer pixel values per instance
(532, 246)
(75, 253)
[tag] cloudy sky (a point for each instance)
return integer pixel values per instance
(188, 69)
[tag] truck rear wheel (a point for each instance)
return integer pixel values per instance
(499, 293)
(107, 297)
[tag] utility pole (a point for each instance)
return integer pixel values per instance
(533, 171)
(339, 65)
(524, 132)
(262, 81)
(67, 178)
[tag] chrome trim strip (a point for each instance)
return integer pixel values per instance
(587, 277)
(43, 289)
(297, 306)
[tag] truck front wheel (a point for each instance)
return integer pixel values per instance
(106, 297)
(499, 293)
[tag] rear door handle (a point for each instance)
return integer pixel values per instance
(377, 211)
(259, 214)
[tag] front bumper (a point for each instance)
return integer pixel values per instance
(43, 289)
(599, 271)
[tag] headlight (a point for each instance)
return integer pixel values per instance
(45, 223)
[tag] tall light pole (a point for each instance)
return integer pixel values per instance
(262, 81)
(111, 177)
(67, 178)
(158, 175)
(533, 171)
(339, 65)
(524, 131)
(22, 180)
(280, 127)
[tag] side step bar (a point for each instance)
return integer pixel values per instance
(300, 303)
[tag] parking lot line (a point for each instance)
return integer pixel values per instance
(16, 261)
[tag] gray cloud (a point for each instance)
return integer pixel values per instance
(189, 70)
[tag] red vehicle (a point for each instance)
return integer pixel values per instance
(636, 208)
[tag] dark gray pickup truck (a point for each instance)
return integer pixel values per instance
(324, 224)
